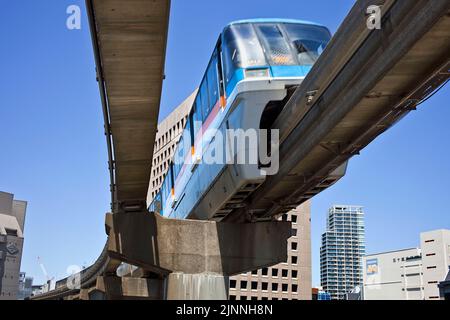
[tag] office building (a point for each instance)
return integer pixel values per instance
(286, 281)
(342, 251)
(12, 221)
(409, 274)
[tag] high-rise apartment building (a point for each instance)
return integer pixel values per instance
(12, 222)
(342, 250)
(286, 281)
(409, 274)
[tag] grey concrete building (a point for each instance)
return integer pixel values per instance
(12, 222)
(285, 281)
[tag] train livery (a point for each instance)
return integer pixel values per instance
(255, 66)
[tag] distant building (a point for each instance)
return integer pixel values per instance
(409, 274)
(319, 294)
(342, 250)
(12, 221)
(285, 281)
(25, 286)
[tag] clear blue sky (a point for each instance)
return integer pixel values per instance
(53, 151)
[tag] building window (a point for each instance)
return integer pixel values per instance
(264, 286)
(274, 286)
(284, 273)
(265, 271)
(294, 274)
(294, 288)
(294, 232)
(431, 254)
(243, 285)
(255, 272)
(284, 287)
(294, 219)
(294, 260)
(274, 272)
(232, 297)
(294, 246)
(254, 285)
(432, 267)
(232, 284)
(243, 298)
(254, 298)
(264, 298)
(428, 241)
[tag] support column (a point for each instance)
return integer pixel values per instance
(182, 286)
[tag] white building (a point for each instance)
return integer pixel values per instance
(394, 275)
(435, 259)
(409, 274)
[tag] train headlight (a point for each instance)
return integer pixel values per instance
(257, 73)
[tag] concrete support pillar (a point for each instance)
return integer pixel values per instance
(181, 286)
(196, 257)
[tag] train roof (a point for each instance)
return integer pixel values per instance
(275, 20)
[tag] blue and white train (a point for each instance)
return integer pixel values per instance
(255, 66)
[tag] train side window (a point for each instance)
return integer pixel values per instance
(197, 116)
(204, 98)
(179, 157)
(213, 83)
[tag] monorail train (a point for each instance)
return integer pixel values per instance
(254, 68)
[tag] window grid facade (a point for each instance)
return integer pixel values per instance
(342, 251)
(285, 281)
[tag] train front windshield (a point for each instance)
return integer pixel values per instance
(252, 45)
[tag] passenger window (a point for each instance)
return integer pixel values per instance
(204, 99)
(213, 84)
(197, 117)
